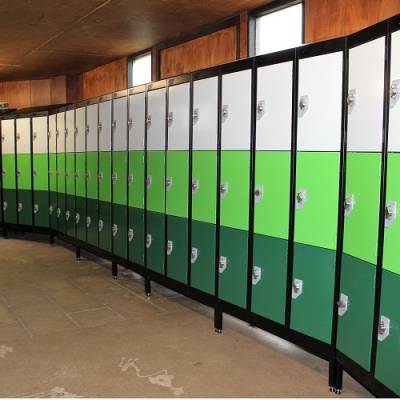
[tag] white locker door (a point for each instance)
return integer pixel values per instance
(61, 132)
(236, 111)
(92, 127)
(366, 87)
(70, 131)
(394, 116)
(156, 119)
(320, 103)
(52, 133)
(120, 124)
(8, 136)
(205, 114)
(23, 135)
(178, 117)
(137, 110)
(105, 126)
(80, 138)
(39, 135)
(274, 107)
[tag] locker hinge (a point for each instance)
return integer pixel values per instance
(67, 215)
(349, 203)
(5, 205)
(149, 181)
(223, 264)
(297, 288)
(131, 235)
(88, 222)
(259, 193)
(394, 91)
(223, 189)
(225, 112)
(194, 255)
(260, 109)
(195, 186)
(196, 115)
(35, 208)
(301, 198)
(390, 213)
(168, 183)
(304, 104)
(256, 275)
(114, 230)
(100, 225)
(383, 328)
(170, 118)
(20, 207)
(130, 179)
(170, 247)
(114, 178)
(351, 100)
(343, 304)
(149, 239)
(77, 218)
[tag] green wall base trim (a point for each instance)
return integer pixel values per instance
(156, 244)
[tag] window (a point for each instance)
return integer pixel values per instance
(140, 71)
(279, 29)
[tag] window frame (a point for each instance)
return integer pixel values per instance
(132, 58)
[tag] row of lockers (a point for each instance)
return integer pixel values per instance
(251, 154)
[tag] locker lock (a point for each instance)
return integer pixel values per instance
(168, 183)
(131, 235)
(76, 174)
(77, 218)
(34, 135)
(57, 133)
(349, 203)
(35, 208)
(49, 134)
(34, 172)
(170, 118)
(304, 104)
(100, 225)
(259, 193)
(351, 99)
(58, 212)
(223, 264)
(256, 275)
(301, 197)
(390, 213)
(195, 186)
(76, 131)
(87, 175)
(260, 109)
(196, 115)
(20, 207)
(87, 129)
(114, 125)
(225, 112)
(130, 122)
(130, 179)
(149, 181)
(343, 304)
(148, 119)
(114, 178)
(5, 205)
(223, 189)
(383, 328)
(149, 239)
(66, 132)
(194, 254)
(51, 209)
(18, 136)
(3, 138)
(100, 126)
(114, 230)
(3, 172)
(18, 172)
(170, 247)
(88, 222)
(297, 288)
(395, 90)
(100, 176)
(67, 215)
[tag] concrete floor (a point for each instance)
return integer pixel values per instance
(67, 329)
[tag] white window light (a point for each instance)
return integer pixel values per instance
(141, 69)
(279, 30)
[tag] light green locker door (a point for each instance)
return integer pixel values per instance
(317, 194)
(53, 173)
(363, 174)
(24, 171)
(40, 171)
(70, 134)
(177, 182)
(61, 172)
(272, 190)
(235, 186)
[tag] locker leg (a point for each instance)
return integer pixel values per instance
(4, 232)
(51, 238)
(147, 286)
(78, 253)
(335, 377)
(114, 269)
(218, 319)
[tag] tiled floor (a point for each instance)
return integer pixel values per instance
(67, 329)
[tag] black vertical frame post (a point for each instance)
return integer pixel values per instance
(147, 280)
(31, 163)
(167, 86)
(16, 168)
(1, 177)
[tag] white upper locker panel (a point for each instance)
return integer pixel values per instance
(320, 103)
(105, 126)
(70, 131)
(39, 135)
(80, 138)
(61, 132)
(156, 119)
(52, 133)
(178, 117)
(394, 116)
(120, 124)
(236, 111)
(205, 114)
(274, 107)
(92, 127)
(366, 87)
(137, 118)
(23, 135)
(8, 136)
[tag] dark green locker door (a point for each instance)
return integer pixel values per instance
(363, 171)
(177, 182)
(105, 221)
(92, 170)
(61, 172)
(136, 228)
(70, 173)
(120, 177)
(53, 174)
(272, 190)
(24, 171)
(155, 181)
(235, 186)
(40, 171)
(9, 171)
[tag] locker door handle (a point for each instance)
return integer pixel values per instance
(196, 116)
(35, 208)
(114, 230)
(34, 172)
(260, 109)
(51, 209)
(58, 212)
(259, 193)
(57, 134)
(130, 123)
(77, 218)
(66, 132)
(76, 131)
(130, 235)
(297, 288)
(170, 118)
(100, 225)
(395, 89)
(349, 203)
(301, 198)
(100, 176)
(76, 174)
(34, 135)
(149, 181)
(304, 104)
(67, 215)
(87, 175)
(223, 264)
(351, 100)
(3, 138)
(88, 222)
(49, 134)
(20, 207)
(18, 136)
(148, 119)
(99, 127)
(343, 304)
(194, 255)
(130, 179)
(383, 328)
(195, 186)
(390, 213)
(223, 189)
(3, 172)
(87, 129)
(114, 178)
(225, 112)
(149, 240)
(256, 275)
(18, 172)
(168, 183)
(5, 205)
(170, 247)
(114, 125)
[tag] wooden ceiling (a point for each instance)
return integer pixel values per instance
(43, 38)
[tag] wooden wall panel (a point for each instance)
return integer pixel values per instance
(244, 35)
(105, 79)
(40, 92)
(74, 86)
(326, 19)
(206, 51)
(58, 90)
(16, 93)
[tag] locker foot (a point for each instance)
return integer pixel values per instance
(78, 254)
(114, 269)
(147, 287)
(218, 331)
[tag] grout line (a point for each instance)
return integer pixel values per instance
(86, 310)
(72, 320)
(115, 312)
(27, 330)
